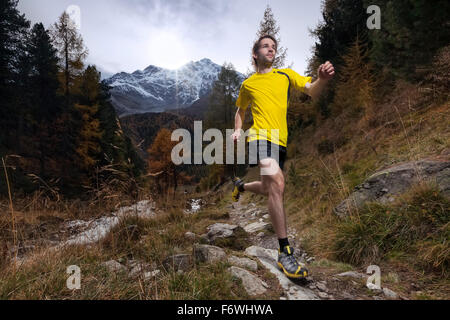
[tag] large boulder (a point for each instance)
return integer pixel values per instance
(252, 284)
(243, 262)
(227, 235)
(207, 253)
(383, 185)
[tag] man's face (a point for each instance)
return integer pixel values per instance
(266, 52)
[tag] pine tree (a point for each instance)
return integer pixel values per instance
(268, 26)
(354, 91)
(222, 111)
(222, 98)
(13, 32)
(88, 147)
(71, 50)
(343, 21)
(160, 162)
(45, 104)
(44, 74)
(87, 87)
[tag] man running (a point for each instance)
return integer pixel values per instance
(267, 92)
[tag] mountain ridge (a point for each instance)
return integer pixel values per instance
(157, 89)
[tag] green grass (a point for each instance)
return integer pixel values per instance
(417, 224)
(335, 265)
(207, 282)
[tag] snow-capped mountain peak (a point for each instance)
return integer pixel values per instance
(156, 89)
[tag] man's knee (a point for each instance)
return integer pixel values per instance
(274, 184)
(269, 167)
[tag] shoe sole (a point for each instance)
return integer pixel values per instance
(290, 275)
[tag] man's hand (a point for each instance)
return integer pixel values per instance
(236, 135)
(326, 71)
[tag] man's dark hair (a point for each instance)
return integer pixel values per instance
(256, 46)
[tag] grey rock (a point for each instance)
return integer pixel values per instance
(373, 287)
(151, 274)
(352, 274)
(221, 230)
(243, 262)
(190, 235)
(113, 266)
(383, 185)
(348, 296)
(227, 235)
(259, 252)
(268, 258)
(204, 239)
(207, 253)
(323, 295)
(249, 211)
(138, 268)
(390, 294)
(312, 286)
(256, 226)
(252, 284)
(321, 286)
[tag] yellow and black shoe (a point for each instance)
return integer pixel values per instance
(289, 265)
(237, 189)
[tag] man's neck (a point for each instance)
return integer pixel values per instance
(265, 69)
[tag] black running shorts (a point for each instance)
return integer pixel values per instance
(261, 149)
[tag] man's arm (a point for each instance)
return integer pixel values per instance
(238, 122)
(239, 119)
(325, 74)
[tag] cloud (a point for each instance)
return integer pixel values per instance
(126, 35)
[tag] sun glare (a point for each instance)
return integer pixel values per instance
(166, 49)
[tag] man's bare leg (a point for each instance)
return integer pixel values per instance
(273, 185)
(255, 187)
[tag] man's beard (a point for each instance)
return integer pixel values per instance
(267, 63)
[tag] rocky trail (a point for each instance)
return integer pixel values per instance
(321, 284)
(246, 241)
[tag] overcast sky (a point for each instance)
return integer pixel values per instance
(129, 35)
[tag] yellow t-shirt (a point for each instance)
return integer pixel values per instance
(268, 95)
